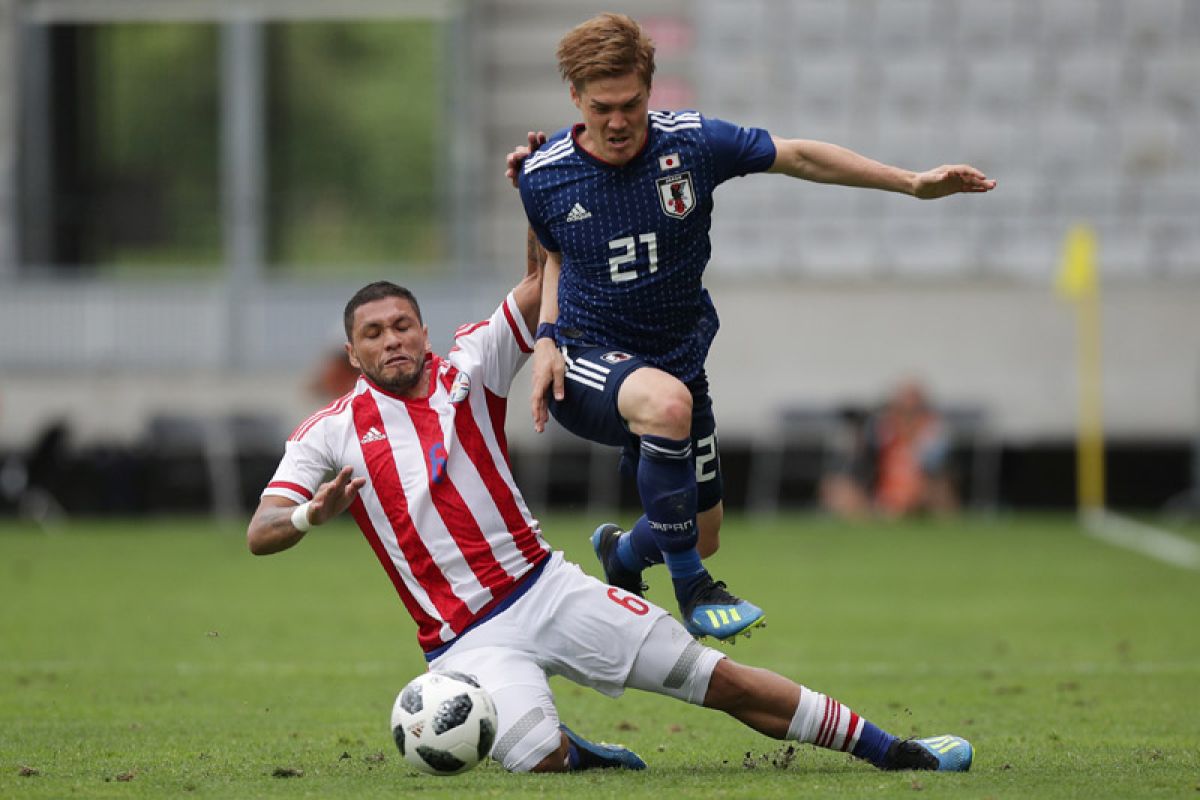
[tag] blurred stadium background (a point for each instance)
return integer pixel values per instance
(190, 189)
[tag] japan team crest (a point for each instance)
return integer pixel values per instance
(676, 196)
(615, 357)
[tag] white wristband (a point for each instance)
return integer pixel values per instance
(300, 518)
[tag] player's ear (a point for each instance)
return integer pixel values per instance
(425, 333)
(575, 98)
(353, 358)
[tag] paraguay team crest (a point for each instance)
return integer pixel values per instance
(676, 196)
(460, 388)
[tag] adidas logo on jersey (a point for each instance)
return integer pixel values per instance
(373, 435)
(578, 213)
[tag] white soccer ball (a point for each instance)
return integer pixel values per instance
(444, 723)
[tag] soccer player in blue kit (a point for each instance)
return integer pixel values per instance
(622, 202)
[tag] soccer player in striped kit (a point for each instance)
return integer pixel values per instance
(622, 201)
(418, 456)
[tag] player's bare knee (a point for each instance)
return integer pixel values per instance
(656, 403)
(670, 414)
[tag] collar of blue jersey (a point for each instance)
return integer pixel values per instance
(577, 128)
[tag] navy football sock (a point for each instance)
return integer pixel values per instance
(637, 548)
(667, 484)
(825, 722)
(873, 745)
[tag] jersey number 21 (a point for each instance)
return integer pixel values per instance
(627, 248)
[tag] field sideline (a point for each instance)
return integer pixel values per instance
(159, 659)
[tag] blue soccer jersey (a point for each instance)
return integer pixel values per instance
(634, 238)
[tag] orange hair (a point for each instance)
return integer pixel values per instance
(606, 46)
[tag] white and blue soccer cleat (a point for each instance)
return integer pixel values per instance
(713, 611)
(937, 753)
(601, 755)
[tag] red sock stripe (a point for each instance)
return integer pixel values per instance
(833, 728)
(823, 731)
(827, 733)
(852, 731)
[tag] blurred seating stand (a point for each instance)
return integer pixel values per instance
(563, 471)
(32, 481)
(805, 443)
(1074, 104)
(790, 456)
(200, 462)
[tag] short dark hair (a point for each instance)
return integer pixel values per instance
(606, 46)
(369, 294)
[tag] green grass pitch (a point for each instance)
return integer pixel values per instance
(160, 659)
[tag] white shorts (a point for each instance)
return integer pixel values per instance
(571, 624)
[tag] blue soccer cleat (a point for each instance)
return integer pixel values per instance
(601, 755)
(713, 611)
(604, 542)
(937, 753)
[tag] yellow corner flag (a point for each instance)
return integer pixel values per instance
(1077, 272)
(1078, 282)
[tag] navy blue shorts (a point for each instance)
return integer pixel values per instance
(589, 410)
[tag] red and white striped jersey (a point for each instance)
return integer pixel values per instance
(440, 507)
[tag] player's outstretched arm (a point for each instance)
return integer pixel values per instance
(274, 528)
(518, 155)
(528, 293)
(823, 162)
(549, 367)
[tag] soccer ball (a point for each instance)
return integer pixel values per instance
(444, 723)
